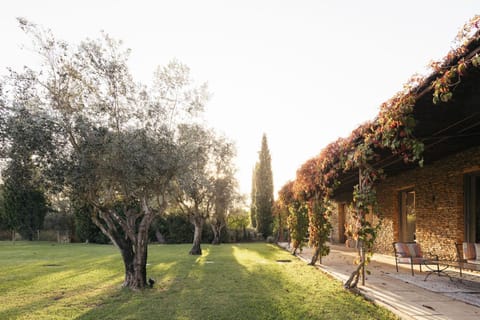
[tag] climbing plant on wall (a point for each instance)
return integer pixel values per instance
(392, 131)
(319, 228)
(297, 220)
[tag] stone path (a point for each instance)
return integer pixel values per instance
(410, 297)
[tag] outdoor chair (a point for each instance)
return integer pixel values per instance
(408, 253)
(468, 252)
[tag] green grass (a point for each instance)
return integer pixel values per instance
(239, 281)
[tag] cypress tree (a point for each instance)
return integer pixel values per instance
(264, 191)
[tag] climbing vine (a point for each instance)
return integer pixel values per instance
(365, 232)
(297, 220)
(319, 228)
(314, 190)
(456, 64)
(392, 131)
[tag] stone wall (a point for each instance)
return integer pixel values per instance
(438, 204)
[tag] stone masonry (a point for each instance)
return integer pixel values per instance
(439, 205)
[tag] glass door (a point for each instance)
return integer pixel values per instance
(408, 217)
(472, 207)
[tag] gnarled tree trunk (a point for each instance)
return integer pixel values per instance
(295, 244)
(217, 228)
(352, 281)
(363, 182)
(135, 262)
(316, 256)
(130, 236)
(134, 257)
(197, 236)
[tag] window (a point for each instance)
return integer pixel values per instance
(472, 207)
(408, 217)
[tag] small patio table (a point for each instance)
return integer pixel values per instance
(439, 267)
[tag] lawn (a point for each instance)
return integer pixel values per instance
(41, 280)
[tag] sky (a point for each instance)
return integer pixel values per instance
(303, 72)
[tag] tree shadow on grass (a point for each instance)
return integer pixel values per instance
(53, 290)
(170, 272)
(243, 281)
(211, 286)
(45, 279)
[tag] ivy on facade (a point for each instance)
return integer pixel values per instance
(392, 131)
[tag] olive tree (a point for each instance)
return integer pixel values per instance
(26, 145)
(206, 186)
(119, 139)
(226, 191)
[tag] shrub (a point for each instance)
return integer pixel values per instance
(85, 229)
(237, 226)
(179, 229)
(59, 221)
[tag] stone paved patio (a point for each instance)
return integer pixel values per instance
(410, 297)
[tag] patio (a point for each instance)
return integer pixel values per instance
(408, 296)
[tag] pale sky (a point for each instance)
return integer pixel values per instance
(303, 72)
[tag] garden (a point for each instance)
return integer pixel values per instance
(47, 280)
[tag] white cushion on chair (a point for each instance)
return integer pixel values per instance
(469, 251)
(477, 252)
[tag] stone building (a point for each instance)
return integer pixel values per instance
(436, 204)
